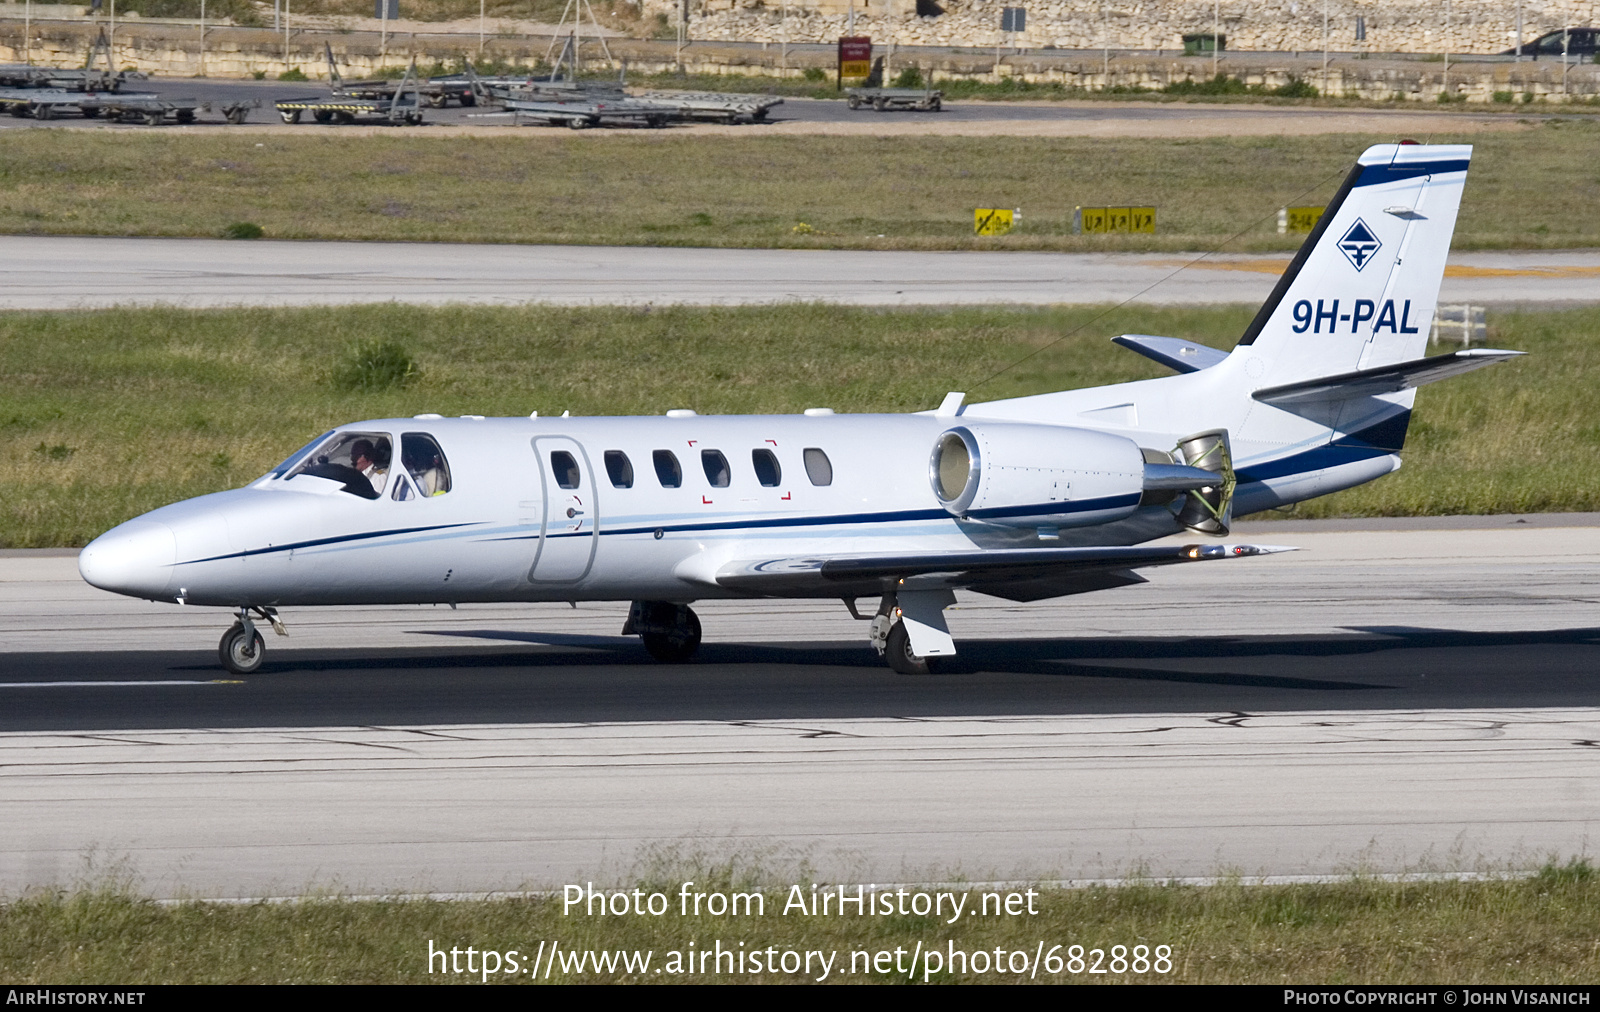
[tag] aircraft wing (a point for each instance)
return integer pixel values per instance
(1018, 574)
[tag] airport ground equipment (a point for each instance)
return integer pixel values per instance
(402, 105)
(873, 93)
(139, 107)
(435, 91)
(887, 99)
(16, 75)
(716, 107)
(580, 113)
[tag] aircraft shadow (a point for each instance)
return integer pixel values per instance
(521, 676)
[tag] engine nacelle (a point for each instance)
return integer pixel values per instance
(1018, 475)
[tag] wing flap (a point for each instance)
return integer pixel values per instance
(1026, 569)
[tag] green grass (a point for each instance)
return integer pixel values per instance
(655, 188)
(1538, 929)
(109, 414)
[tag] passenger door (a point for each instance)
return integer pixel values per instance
(571, 512)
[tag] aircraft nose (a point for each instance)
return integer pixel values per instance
(134, 559)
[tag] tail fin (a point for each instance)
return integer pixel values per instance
(1361, 292)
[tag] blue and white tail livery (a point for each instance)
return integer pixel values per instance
(1026, 499)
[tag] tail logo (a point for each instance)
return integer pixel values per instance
(1359, 244)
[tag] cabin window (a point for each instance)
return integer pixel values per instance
(358, 460)
(716, 466)
(667, 469)
(619, 469)
(818, 467)
(425, 463)
(564, 468)
(768, 473)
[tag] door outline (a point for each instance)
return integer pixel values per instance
(542, 445)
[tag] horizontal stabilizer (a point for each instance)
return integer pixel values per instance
(868, 574)
(1383, 380)
(1173, 352)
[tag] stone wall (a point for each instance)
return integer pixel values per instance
(242, 52)
(1392, 26)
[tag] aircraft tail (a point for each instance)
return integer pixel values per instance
(1361, 292)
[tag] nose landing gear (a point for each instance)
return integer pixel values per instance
(241, 649)
(671, 632)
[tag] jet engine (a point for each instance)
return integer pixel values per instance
(1050, 476)
(1018, 475)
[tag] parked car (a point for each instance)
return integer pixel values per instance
(1579, 42)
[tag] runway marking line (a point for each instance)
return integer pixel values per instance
(96, 685)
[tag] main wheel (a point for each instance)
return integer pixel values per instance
(469, 99)
(154, 118)
(897, 651)
(880, 103)
(854, 101)
(43, 112)
(90, 111)
(290, 115)
(322, 115)
(237, 116)
(935, 105)
(678, 644)
(241, 652)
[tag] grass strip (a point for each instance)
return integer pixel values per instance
(655, 188)
(108, 414)
(1538, 929)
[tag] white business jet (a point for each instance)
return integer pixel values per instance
(1025, 499)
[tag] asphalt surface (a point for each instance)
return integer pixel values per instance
(62, 272)
(220, 91)
(1398, 697)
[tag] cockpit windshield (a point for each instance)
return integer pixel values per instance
(358, 459)
(298, 455)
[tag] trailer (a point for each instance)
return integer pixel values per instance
(17, 75)
(581, 113)
(40, 103)
(139, 107)
(716, 107)
(873, 93)
(330, 109)
(400, 105)
(887, 99)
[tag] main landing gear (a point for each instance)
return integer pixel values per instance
(909, 630)
(242, 649)
(671, 632)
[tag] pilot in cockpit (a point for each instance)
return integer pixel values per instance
(371, 461)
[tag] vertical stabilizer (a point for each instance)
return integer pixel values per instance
(1361, 292)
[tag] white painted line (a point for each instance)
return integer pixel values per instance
(97, 685)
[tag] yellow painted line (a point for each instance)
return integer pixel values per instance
(1265, 266)
(1460, 271)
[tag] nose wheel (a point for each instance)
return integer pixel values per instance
(241, 649)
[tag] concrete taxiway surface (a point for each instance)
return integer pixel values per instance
(49, 272)
(1398, 696)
